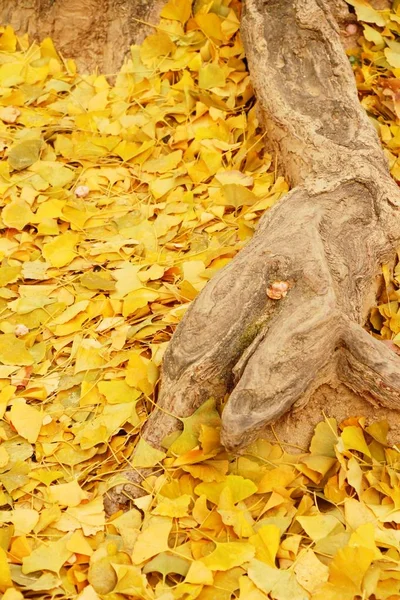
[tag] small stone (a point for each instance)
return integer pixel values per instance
(351, 29)
(82, 191)
(21, 330)
(9, 114)
(278, 290)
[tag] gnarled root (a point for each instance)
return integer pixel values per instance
(325, 240)
(271, 352)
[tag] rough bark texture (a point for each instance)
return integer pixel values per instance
(97, 33)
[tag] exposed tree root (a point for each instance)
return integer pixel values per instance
(327, 239)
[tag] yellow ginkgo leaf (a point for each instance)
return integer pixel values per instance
(137, 372)
(130, 581)
(177, 10)
(8, 40)
(4, 456)
(166, 563)
(47, 49)
(210, 23)
(230, 25)
(61, 251)
(77, 543)
(319, 464)
(13, 351)
(24, 520)
(280, 584)
(373, 35)
(319, 526)
(379, 431)
(146, 455)
(237, 195)
(47, 557)
(228, 555)
(102, 575)
(364, 536)
(325, 438)
(35, 269)
(176, 507)
(234, 177)
(161, 186)
(118, 391)
(67, 494)
(156, 46)
(365, 12)
(89, 517)
(70, 313)
(24, 154)
(9, 274)
(206, 414)
(163, 164)
(238, 517)
(12, 594)
(199, 573)
(26, 419)
(211, 76)
(239, 487)
(89, 356)
(311, 573)
(349, 566)
(97, 281)
(17, 214)
(207, 471)
(53, 172)
(152, 540)
(5, 575)
(266, 542)
(353, 439)
(281, 476)
(138, 299)
(88, 593)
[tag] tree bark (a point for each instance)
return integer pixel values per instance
(96, 33)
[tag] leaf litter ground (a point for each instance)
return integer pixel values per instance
(119, 202)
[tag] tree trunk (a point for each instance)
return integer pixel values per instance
(97, 33)
(283, 322)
